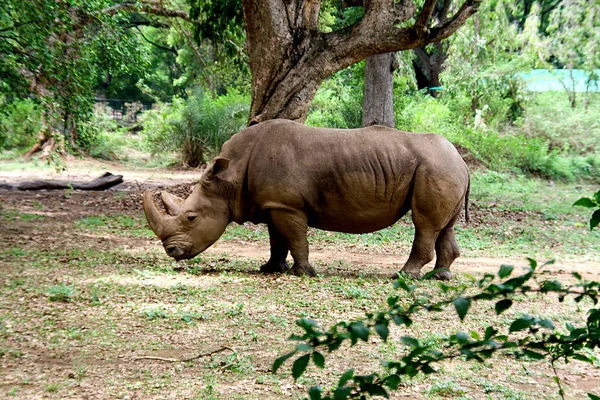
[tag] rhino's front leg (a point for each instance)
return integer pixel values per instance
(279, 252)
(292, 225)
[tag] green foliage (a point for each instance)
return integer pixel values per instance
(593, 202)
(19, 124)
(509, 148)
(57, 52)
(196, 127)
(537, 338)
(338, 102)
(63, 293)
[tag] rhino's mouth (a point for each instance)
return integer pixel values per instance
(179, 253)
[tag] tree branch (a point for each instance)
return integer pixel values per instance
(169, 49)
(146, 7)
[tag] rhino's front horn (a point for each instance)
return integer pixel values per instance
(172, 203)
(156, 219)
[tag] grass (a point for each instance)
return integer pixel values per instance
(159, 312)
(120, 298)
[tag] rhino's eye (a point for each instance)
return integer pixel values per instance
(191, 218)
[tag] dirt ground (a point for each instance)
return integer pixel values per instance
(81, 204)
(60, 209)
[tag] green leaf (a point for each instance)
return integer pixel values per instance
(376, 390)
(392, 381)
(409, 340)
(593, 396)
(489, 332)
(315, 393)
(533, 355)
(585, 202)
(521, 324)
(462, 306)
(318, 359)
(341, 393)
(304, 347)
(346, 377)
(595, 220)
(281, 360)
(300, 365)
(358, 329)
(502, 306)
(382, 330)
(505, 270)
(546, 323)
(462, 337)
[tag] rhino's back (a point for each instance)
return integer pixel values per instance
(345, 180)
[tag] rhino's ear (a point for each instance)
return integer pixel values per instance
(172, 203)
(219, 164)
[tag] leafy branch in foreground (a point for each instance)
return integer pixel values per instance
(593, 202)
(537, 338)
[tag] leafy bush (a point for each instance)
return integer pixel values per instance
(101, 136)
(197, 127)
(528, 337)
(593, 202)
(19, 124)
(549, 116)
(508, 149)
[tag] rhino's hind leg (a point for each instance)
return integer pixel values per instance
(279, 252)
(421, 253)
(292, 225)
(446, 250)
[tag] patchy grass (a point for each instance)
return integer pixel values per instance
(123, 298)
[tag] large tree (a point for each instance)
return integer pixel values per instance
(290, 56)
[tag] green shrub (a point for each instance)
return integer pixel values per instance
(19, 124)
(338, 102)
(508, 149)
(549, 116)
(197, 127)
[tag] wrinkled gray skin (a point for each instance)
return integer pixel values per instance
(291, 176)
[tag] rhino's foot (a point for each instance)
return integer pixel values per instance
(303, 269)
(414, 275)
(272, 267)
(443, 275)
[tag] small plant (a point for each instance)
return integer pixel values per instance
(62, 292)
(157, 313)
(593, 202)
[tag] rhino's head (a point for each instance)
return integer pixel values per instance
(190, 226)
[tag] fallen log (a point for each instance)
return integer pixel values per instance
(106, 181)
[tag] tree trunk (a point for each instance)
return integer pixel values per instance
(430, 63)
(378, 94)
(289, 57)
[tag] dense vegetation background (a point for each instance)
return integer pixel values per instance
(102, 77)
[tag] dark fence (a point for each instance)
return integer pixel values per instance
(125, 111)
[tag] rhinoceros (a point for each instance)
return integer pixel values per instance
(291, 177)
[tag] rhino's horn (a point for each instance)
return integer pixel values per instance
(172, 203)
(156, 219)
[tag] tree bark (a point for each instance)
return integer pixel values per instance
(378, 92)
(290, 57)
(431, 65)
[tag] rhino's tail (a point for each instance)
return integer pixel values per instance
(467, 217)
